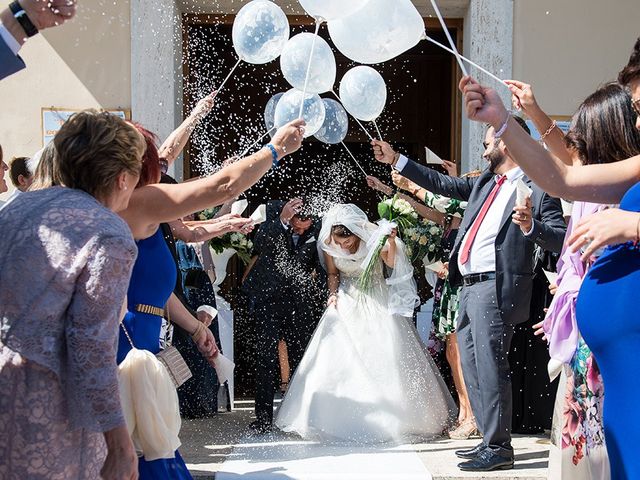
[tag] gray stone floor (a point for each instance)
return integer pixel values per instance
(207, 443)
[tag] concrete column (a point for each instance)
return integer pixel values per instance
(156, 68)
(488, 41)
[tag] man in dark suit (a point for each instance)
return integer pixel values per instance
(493, 258)
(284, 294)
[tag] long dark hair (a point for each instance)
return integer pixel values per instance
(603, 129)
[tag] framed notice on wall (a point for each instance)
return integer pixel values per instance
(53, 118)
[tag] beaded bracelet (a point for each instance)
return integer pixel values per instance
(503, 129)
(274, 154)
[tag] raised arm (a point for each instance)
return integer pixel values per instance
(160, 203)
(195, 232)
(425, 177)
(605, 183)
(175, 143)
(553, 137)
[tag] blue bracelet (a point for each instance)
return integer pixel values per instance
(274, 154)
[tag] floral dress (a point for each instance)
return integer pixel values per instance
(446, 298)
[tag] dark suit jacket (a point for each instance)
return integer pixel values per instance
(283, 269)
(514, 251)
(9, 62)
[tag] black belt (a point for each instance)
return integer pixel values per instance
(468, 280)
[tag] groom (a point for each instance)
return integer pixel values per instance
(493, 260)
(285, 296)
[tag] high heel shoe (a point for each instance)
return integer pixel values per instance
(464, 431)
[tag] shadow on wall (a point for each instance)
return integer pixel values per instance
(96, 46)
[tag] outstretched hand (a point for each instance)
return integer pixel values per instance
(383, 152)
(376, 184)
(288, 138)
(49, 13)
(204, 106)
(482, 104)
(450, 167)
(522, 96)
(609, 227)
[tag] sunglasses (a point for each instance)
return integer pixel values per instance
(635, 104)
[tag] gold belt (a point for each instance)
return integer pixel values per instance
(150, 309)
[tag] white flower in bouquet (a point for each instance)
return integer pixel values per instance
(249, 245)
(434, 230)
(423, 240)
(432, 247)
(235, 238)
(403, 207)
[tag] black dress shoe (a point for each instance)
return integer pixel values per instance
(471, 452)
(487, 461)
(259, 428)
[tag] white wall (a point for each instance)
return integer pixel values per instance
(83, 64)
(566, 48)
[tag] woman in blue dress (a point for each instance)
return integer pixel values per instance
(154, 273)
(607, 303)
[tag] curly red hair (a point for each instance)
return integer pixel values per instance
(150, 172)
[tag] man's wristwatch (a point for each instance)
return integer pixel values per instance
(23, 19)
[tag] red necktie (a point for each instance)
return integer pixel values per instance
(466, 248)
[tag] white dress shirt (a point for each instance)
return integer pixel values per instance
(11, 42)
(482, 257)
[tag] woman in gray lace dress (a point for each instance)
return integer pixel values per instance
(66, 261)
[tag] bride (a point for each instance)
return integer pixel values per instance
(365, 376)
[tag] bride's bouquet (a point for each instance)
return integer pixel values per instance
(394, 213)
(423, 241)
(235, 241)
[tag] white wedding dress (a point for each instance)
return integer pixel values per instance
(365, 376)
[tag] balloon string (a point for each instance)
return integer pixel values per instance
(435, 42)
(358, 121)
(306, 78)
(246, 150)
(354, 159)
(377, 130)
(228, 76)
(446, 31)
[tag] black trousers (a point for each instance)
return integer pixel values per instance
(286, 319)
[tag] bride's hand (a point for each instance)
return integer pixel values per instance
(332, 301)
(393, 235)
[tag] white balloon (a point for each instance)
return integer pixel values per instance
(336, 123)
(270, 113)
(363, 93)
(260, 32)
(288, 109)
(379, 31)
(295, 60)
(331, 9)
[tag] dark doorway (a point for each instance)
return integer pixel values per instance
(422, 110)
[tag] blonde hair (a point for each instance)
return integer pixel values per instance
(46, 174)
(93, 148)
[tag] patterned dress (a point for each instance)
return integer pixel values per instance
(446, 297)
(65, 266)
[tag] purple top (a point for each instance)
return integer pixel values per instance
(560, 325)
(66, 262)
